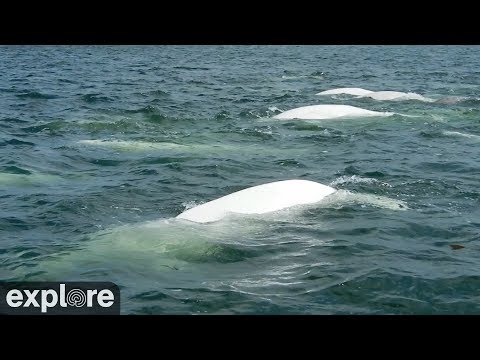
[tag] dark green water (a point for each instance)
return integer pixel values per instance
(188, 124)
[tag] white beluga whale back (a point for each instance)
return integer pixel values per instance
(395, 96)
(279, 195)
(260, 199)
(321, 112)
(376, 95)
(346, 91)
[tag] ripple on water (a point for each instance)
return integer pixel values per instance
(98, 142)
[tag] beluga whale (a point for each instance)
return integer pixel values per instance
(346, 91)
(259, 199)
(279, 195)
(376, 95)
(322, 112)
(395, 96)
(197, 235)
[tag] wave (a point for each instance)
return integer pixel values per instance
(190, 68)
(345, 197)
(16, 142)
(264, 132)
(452, 100)
(16, 170)
(146, 146)
(460, 134)
(36, 95)
(13, 120)
(158, 92)
(26, 179)
(50, 127)
(93, 98)
(190, 204)
(318, 75)
(123, 145)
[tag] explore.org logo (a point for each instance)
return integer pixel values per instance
(59, 298)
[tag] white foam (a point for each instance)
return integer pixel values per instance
(274, 109)
(321, 112)
(341, 197)
(190, 204)
(355, 179)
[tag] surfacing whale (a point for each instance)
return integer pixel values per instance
(279, 195)
(194, 237)
(259, 199)
(395, 96)
(321, 112)
(376, 95)
(346, 91)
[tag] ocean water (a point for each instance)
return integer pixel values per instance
(102, 146)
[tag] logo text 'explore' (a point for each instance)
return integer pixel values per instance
(61, 298)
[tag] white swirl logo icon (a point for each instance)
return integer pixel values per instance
(76, 297)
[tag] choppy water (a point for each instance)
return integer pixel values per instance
(102, 146)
